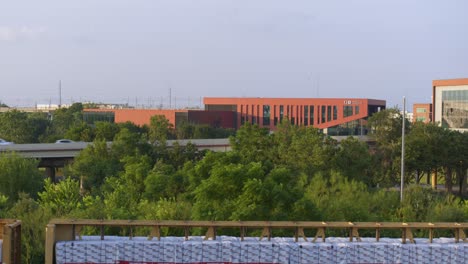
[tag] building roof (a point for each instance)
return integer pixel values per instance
(450, 82)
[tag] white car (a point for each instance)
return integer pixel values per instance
(4, 142)
(64, 141)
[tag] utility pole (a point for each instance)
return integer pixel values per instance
(403, 149)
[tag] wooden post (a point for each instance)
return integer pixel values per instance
(7, 246)
(321, 233)
(266, 233)
(50, 244)
(155, 232)
(299, 232)
(210, 233)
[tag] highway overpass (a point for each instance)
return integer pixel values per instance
(53, 155)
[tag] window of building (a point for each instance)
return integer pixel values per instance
(275, 118)
(318, 114)
(287, 112)
(356, 109)
(266, 115)
(455, 109)
(311, 115)
(347, 110)
(324, 113)
(281, 113)
(306, 115)
(335, 112)
(420, 110)
(421, 118)
(253, 115)
(242, 114)
(298, 115)
(329, 113)
(258, 114)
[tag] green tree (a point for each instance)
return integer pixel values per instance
(278, 196)
(305, 149)
(339, 199)
(33, 220)
(80, 131)
(354, 160)
(215, 197)
(94, 164)
(417, 203)
(14, 126)
(385, 128)
(61, 198)
(160, 129)
(106, 130)
(18, 174)
(64, 118)
(130, 143)
(165, 182)
(252, 143)
(39, 125)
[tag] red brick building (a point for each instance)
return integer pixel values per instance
(422, 113)
(337, 116)
(342, 116)
(225, 119)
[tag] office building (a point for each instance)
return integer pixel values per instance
(450, 102)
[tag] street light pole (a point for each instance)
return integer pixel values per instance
(403, 149)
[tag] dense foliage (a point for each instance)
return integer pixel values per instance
(295, 173)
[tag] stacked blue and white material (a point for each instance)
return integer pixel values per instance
(227, 250)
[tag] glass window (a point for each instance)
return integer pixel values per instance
(306, 115)
(347, 110)
(281, 113)
(324, 114)
(258, 114)
(356, 109)
(242, 115)
(455, 109)
(329, 113)
(297, 115)
(253, 115)
(335, 112)
(420, 110)
(266, 115)
(318, 114)
(247, 118)
(312, 115)
(275, 118)
(421, 118)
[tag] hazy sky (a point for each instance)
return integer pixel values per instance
(135, 51)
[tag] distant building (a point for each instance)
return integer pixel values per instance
(422, 113)
(450, 102)
(337, 116)
(224, 119)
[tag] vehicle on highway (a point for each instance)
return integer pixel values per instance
(4, 142)
(64, 140)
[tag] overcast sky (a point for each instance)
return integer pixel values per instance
(135, 51)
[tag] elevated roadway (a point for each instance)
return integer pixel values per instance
(57, 155)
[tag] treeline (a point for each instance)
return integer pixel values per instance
(296, 173)
(40, 127)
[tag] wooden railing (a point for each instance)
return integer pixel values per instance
(66, 230)
(11, 236)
